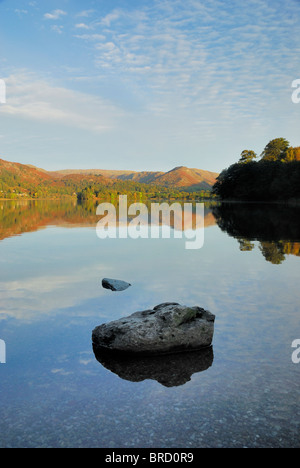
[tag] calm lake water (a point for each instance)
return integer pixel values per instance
(55, 393)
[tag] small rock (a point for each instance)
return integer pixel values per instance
(115, 285)
(168, 328)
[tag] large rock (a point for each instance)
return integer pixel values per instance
(168, 328)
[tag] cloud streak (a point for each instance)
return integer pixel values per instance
(34, 98)
(165, 76)
(193, 56)
(55, 15)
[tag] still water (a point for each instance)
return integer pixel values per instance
(244, 392)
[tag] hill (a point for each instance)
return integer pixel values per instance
(179, 177)
(188, 179)
(16, 171)
(26, 180)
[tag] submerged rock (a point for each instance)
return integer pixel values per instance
(168, 328)
(115, 285)
(169, 370)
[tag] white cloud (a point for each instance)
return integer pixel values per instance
(186, 68)
(34, 98)
(21, 12)
(111, 17)
(91, 37)
(85, 13)
(198, 56)
(58, 29)
(56, 14)
(82, 26)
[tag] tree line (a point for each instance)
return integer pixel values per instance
(274, 177)
(16, 186)
(137, 191)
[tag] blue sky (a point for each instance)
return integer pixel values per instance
(146, 85)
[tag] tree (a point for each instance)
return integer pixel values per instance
(247, 156)
(292, 154)
(275, 150)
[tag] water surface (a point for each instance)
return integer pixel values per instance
(55, 393)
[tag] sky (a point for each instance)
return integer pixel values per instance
(146, 84)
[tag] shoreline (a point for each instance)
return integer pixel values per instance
(295, 202)
(263, 202)
(105, 199)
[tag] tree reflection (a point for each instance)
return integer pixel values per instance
(276, 228)
(245, 245)
(273, 252)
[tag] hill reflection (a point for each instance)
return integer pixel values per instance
(22, 216)
(276, 227)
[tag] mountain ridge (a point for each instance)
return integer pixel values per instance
(178, 177)
(16, 175)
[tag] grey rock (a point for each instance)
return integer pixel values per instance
(115, 285)
(168, 328)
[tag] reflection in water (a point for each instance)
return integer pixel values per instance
(277, 227)
(170, 370)
(54, 393)
(20, 216)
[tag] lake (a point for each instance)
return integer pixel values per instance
(243, 392)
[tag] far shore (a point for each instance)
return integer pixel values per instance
(295, 202)
(263, 202)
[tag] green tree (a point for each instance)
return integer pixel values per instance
(275, 150)
(247, 156)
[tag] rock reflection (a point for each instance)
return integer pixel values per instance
(170, 370)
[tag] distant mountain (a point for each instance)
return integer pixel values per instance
(180, 177)
(22, 178)
(185, 178)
